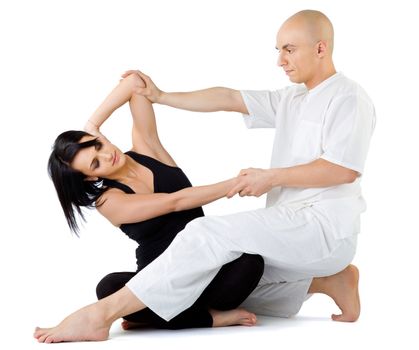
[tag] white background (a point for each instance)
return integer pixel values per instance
(59, 59)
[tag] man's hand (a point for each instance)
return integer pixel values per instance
(150, 91)
(252, 182)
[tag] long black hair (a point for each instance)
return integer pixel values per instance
(73, 190)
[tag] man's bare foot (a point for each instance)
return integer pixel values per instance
(343, 289)
(232, 317)
(85, 324)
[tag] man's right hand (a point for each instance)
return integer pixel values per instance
(150, 91)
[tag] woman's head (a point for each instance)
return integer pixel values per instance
(76, 166)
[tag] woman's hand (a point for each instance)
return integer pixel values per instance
(150, 90)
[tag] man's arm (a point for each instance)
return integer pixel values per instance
(207, 100)
(319, 173)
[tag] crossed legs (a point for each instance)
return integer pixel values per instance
(217, 306)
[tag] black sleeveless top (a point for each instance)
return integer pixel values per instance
(155, 235)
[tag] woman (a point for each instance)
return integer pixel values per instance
(148, 197)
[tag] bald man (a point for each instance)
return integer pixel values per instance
(307, 233)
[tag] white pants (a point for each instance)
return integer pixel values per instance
(296, 244)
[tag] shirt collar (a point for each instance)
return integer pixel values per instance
(325, 83)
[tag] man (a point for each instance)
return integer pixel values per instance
(306, 234)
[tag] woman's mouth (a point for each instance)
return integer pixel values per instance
(115, 159)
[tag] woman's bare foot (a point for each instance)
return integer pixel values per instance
(232, 317)
(93, 321)
(343, 289)
(85, 324)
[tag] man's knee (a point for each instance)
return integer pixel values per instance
(196, 223)
(196, 227)
(214, 225)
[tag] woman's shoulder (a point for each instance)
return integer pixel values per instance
(159, 155)
(108, 195)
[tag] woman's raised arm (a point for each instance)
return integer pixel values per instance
(118, 96)
(144, 133)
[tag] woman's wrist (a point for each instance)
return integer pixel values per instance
(91, 128)
(229, 184)
(93, 124)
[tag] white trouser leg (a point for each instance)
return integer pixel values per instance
(274, 296)
(281, 299)
(294, 241)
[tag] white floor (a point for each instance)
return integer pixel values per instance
(311, 329)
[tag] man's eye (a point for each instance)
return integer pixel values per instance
(96, 165)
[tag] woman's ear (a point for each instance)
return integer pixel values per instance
(91, 178)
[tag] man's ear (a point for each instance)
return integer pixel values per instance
(91, 178)
(321, 48)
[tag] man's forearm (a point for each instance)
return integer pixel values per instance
(319, 173)
(207, 100)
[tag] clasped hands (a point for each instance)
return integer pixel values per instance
(252, 182)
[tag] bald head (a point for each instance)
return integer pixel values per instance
(313, 25)
(305, 45)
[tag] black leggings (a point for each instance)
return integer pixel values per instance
(229, 288)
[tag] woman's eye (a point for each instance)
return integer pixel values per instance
(98, 146)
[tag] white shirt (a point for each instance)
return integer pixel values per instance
(334, 121)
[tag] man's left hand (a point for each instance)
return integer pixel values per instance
(252, 182)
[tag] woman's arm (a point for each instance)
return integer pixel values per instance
(144, 134)
(117, 97)
(121, 208)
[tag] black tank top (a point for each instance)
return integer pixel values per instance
(155, 235)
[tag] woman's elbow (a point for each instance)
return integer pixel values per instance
(178, 205)
(135, 81)
(179, 201)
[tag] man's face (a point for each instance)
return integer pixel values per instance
(298, 53)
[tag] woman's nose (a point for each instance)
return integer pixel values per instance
(106, 156)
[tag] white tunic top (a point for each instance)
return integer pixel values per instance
(333, 121)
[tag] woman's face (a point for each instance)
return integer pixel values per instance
(101, 160)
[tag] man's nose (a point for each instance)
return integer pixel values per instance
(281, 61)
